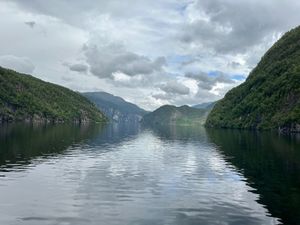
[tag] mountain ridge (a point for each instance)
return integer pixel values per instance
(115, 108)
(269, 99)
(204, 105)
(173, 115)
(27, 98)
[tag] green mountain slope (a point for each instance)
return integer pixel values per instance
(270, 97)
(25, 98)
(169, 114)
(115, 108)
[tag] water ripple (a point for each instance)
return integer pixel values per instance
(139, 179)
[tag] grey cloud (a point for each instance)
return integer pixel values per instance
(106, 60)
(66, 78)
(173, 87)
(173, 92)
(234, 65)
(222, 38)
(200, 97)
(19, 64)
(31, 24)
(231, 30)
(162, 96)
(74, 12)
(71, 12)
(207, 82)
(80, 68)
(201, 76)
(236, 26)
(222, 78)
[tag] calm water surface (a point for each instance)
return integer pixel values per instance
(125, 175)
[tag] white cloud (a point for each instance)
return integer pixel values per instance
(20, 64)
(152, 52)
(174, 87)
(77, 67)
(106, 59)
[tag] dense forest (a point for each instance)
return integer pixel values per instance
(270, 96)
(25, 98)
(183, 115)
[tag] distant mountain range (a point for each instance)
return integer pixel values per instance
(206, 105)
(183, 115)
(270, 97)
(26, 98)
(116, 108)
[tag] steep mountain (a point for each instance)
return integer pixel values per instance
(25, 98)
(169, 114)
(270, 96)
(115, 108)
(206, 105)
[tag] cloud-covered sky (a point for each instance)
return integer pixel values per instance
(149, 52)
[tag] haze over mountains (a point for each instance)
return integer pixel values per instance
(205, 105)
(116, 108)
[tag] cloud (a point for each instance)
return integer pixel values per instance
(31, 24)
(207, 82)
(19, 64)
(146, 52)
(234, 65)
(173, 87)
(163, 96)
(78, 67)
(104, 60)
(229, 26)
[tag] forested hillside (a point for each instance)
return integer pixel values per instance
(270, 97)
(25, 98)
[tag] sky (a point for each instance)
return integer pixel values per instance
(148, 52)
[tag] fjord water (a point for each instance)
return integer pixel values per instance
(122, 174)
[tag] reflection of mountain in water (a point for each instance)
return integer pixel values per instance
(19, 143)
(166, 175)
(185, 170)
(174, 132)
(271, 163)
(115, 133)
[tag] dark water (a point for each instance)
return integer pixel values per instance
(121, 174)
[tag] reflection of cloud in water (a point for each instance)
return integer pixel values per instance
(167, 180)
(123, 176)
